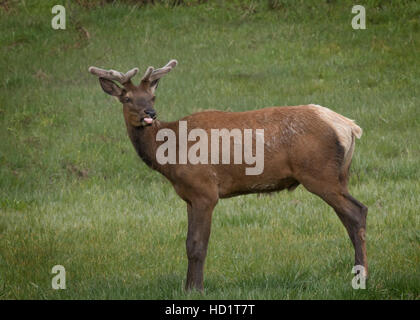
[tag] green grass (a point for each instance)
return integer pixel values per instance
(73, 192)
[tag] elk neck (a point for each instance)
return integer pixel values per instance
(144, 141)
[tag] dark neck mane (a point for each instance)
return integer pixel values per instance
(144, 141)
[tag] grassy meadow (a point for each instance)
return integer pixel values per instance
(73, 192)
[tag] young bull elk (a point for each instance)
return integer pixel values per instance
(308, 144)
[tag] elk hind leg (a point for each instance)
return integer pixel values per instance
(351, 212)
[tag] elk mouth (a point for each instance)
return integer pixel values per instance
(150, 115)
(147, 120)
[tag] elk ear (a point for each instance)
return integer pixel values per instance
(110, 87)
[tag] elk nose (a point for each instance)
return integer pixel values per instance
(151, 113)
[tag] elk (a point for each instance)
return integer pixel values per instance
(307, 144)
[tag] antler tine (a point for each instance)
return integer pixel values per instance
(159, 73)
(147, 74)
(113, 74)
(151, 74)
(131, 73)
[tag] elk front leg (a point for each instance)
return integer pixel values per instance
(199, 225)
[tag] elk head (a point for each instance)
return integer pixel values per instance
(138, 101)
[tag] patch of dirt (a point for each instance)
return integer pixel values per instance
(33, 141)
(41, 75)
(17, 43)
(78, 172)
(4, 4)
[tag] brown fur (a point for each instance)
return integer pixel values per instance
(300, 148)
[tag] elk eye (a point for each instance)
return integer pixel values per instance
(126, 99)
